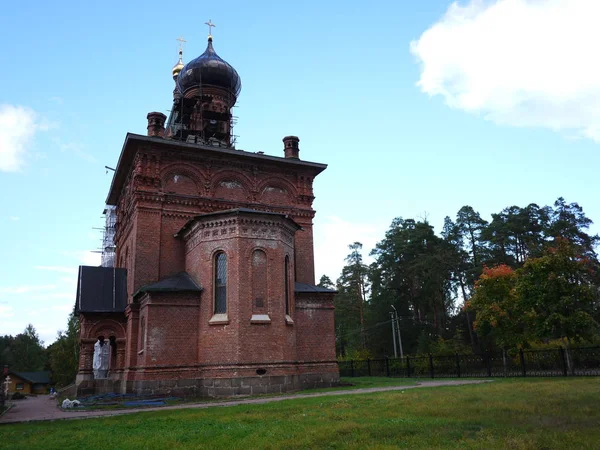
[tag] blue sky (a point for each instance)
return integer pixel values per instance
(419, 108)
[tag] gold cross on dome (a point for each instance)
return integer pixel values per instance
(210, 26)
(181, 41)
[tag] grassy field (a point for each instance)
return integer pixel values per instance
(515, 414)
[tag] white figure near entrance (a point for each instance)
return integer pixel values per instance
(101, 358)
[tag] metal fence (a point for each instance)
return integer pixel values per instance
(523, 363)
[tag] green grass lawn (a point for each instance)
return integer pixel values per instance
(517, 414)
(367, 382)
(346, 384)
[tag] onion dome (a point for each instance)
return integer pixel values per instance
(209, 69)
(177, 67)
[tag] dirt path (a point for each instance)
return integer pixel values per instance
(44, 408)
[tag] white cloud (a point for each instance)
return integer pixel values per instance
(331, 241)
(517, 62)
(18, 125)
(14, 218)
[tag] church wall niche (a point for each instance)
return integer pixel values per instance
(268, 341)
(231, 185)
(277, 191)
(107, 327)
(112, 330)
(181, 178)
(275, 195)
(230, 189)
(177, 183)
(260, 300)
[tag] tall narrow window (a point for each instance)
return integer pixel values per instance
(220, 283)
(286, 283)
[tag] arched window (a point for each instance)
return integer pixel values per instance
(286, 284)
(220, 283)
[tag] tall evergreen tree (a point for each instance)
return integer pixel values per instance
(569, 221)
(326, 282)
(63, 354)
(353, 288)
(28, 352)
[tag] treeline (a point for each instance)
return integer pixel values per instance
(25, 352)
(523, 279)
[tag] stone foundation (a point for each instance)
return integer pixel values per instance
(213, 387)
(95, 387)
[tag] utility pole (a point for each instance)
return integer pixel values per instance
(394, 335)
(398, 327)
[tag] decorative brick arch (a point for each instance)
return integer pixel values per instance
(278, 182)
(178, 169)
(106, 328)
(242, 194)
(277, 190)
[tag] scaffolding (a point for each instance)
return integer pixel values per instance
(108, 236)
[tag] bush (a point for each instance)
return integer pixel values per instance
(17, 396)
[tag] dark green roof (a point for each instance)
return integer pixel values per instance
(305, 287)
(180, 282)
(34, 377)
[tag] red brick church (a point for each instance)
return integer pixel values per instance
(213, 286)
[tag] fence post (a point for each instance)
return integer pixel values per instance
(522, 358)
(488, 363)
(561, 352)
(352, 367)
(407, 366)
(369, 366)
(431, 366)
(457, 365)
(387, 366)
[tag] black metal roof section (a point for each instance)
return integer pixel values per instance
(305, 287)
(209, 69)
(101, 289)
(180, 282)
(236, 211)
(34, 377)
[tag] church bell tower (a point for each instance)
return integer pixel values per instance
(206, 90)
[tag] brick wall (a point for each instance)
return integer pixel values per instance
(170, 329)
(316, 329)
(166, 187)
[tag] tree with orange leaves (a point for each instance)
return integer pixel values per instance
(554, 296)
(498, 312)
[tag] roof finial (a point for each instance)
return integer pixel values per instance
(181, 41)
(210, 26)
(177, 67)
